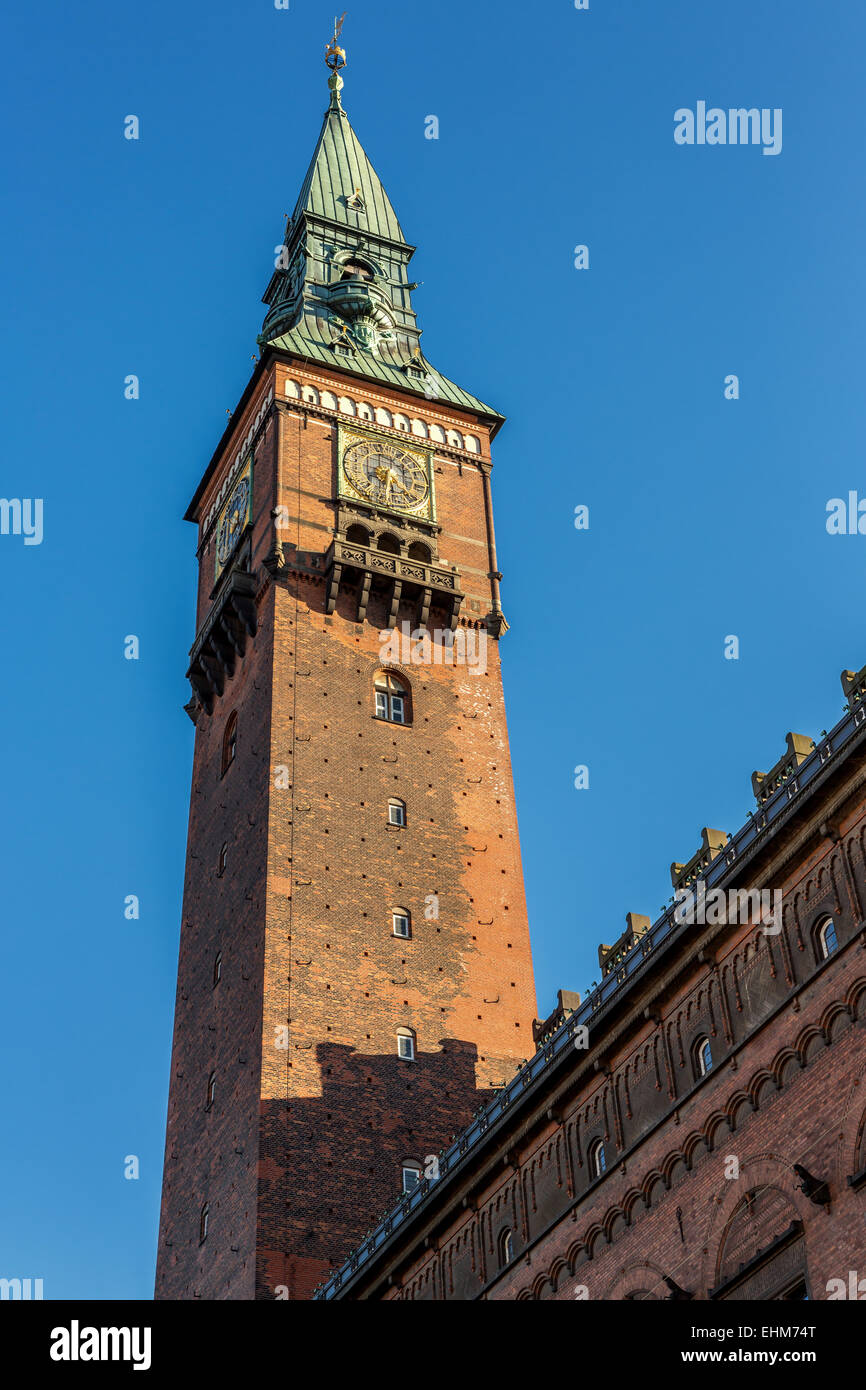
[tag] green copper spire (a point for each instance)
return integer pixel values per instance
(341, 293)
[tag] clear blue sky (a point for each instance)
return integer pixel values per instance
(707, 516)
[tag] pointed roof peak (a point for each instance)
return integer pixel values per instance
(340, 292)
(341, 185)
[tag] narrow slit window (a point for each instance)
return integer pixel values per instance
(230, 742)
(597, 1159)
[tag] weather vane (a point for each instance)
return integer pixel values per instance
(335, 56)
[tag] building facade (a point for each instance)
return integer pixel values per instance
(354, 976)
(355, 981)
(696, 1128)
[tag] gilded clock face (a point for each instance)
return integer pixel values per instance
(233, 520)
(386, 475)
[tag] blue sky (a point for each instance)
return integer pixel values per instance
(707, 516)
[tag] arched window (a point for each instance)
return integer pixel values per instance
(211, 1090)
(223, 859)
(391, 698)
(406, 1044)
(217, 968)
(505, 1245)
(358, 535)
(702, 1053)
(230, 742)
(401, 922)
(389, 544)
(419, 551)
(826, 938)
(597, 1159)
(203, 1222)
(411, 1174)
(396, 811)
(356, 270)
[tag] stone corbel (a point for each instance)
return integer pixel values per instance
(424, 609)
(396, 591)
(333, 588)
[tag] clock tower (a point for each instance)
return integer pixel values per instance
(354, 973)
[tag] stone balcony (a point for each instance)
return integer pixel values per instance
(347, 561)
(223, 638)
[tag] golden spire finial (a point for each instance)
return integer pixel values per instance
(335, 57)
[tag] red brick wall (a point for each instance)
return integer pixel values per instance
(314, 880)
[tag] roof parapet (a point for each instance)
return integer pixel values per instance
(609, 957)
(567, 1000)
(854, 687)
(764, 784)
(712, 842)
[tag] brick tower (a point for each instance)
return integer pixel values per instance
(354, 972)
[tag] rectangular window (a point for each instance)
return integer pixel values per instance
(406, 1049)
(381, 704)
(401, 928)
(396, 815)
(397, 709)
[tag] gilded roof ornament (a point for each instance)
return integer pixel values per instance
(335, 57)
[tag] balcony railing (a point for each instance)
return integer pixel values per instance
(432, 581)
